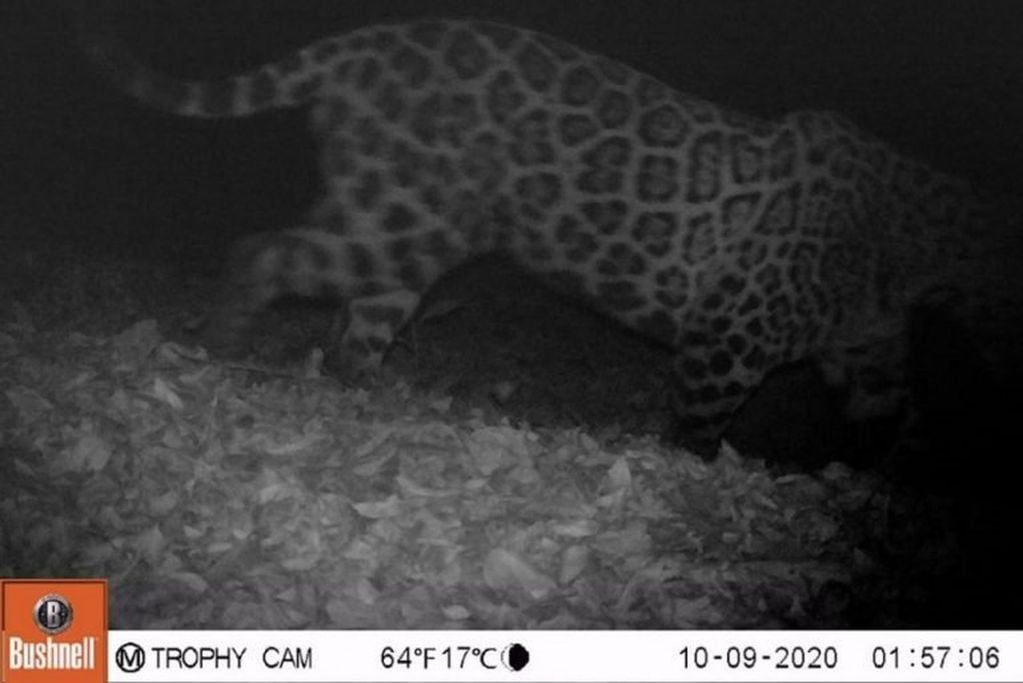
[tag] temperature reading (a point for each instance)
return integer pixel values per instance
(451, 657)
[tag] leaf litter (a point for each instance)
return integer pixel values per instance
(221, 495)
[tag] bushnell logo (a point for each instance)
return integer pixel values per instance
(53, 614)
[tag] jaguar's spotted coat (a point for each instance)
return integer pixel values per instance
(743, 244)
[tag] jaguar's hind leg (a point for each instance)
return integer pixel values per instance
(373, 323)
(313, 264)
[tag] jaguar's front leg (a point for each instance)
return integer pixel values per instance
(872, 375)
(710, 382)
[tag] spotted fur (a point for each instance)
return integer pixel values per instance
(743, 244)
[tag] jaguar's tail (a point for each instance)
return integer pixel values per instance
(290, 82)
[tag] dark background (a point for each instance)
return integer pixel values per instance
(941, 80)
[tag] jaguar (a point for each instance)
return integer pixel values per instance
(743, 244)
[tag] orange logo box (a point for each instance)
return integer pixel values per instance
(53, 630)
